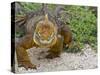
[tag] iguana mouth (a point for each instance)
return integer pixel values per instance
(37, 39)
(46, 41)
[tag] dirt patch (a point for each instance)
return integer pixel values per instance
(87, 59)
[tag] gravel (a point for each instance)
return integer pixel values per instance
(87, 59)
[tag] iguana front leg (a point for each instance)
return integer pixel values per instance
(56, 50)
(22, 56)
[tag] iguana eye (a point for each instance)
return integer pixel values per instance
(49, 38)
(39, 34)
(36, 34)
(52, 35)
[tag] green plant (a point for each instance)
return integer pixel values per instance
(83, 24)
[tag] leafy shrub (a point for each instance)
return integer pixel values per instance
(83, 24)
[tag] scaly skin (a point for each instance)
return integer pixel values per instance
(22, 56)
(63, 37)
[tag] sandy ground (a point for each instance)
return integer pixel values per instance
(87, 59)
